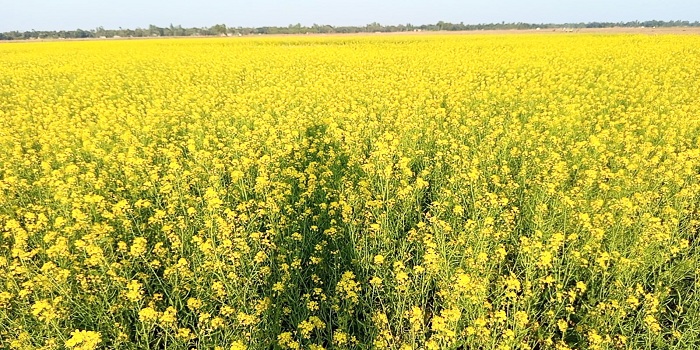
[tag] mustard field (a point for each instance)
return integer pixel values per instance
(351, 192)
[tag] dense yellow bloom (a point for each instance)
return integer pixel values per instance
(184, 334)
(521, 318)
(5, 298)
(286, 341)
(47, 310)
(238, 345)
(378, 259)
(134, 291)
(169, 316)
(348, 288)
(194, 303)
(340, 338)
(83, 340)
(389, 191)
(138, 246)
(148, 315)
(652, 324)
(416, 318)
(562, 325)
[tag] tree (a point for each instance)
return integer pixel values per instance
(219, 29)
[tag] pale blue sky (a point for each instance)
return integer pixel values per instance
(88, 14)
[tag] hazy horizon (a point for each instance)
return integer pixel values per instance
(84, 14)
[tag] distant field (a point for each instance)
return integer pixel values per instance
(616, 30)
(620, 30)
(352, 192)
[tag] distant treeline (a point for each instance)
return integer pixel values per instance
(223, 30)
